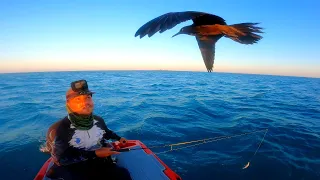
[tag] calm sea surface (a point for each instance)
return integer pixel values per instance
(164, 107)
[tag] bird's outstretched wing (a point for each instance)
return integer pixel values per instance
(207, 48)
(208, 19)
(169, 20)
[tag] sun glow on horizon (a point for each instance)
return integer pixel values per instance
(144, 64)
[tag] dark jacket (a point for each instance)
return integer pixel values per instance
(72, 145)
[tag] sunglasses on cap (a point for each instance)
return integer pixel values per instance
(80, 86)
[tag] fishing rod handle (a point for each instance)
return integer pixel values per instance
(122, 150)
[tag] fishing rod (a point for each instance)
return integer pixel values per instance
(199, 142)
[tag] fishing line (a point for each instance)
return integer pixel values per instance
(200, 142)
(248, 164)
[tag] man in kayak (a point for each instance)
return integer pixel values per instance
(78, 146)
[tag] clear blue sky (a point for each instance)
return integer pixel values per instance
(70, 35)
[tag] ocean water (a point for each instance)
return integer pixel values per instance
(165, 107)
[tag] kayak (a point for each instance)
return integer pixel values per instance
(137, 158)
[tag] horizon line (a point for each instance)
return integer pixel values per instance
(173, 70)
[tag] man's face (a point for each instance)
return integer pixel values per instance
(82, 104)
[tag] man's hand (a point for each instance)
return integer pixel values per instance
(123, 141)
(105, 152)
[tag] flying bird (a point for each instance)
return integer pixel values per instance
(207, 29)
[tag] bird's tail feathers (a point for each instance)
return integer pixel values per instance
(244, 33)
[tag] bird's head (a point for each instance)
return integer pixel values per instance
(184, 30)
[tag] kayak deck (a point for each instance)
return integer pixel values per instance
(142, 164)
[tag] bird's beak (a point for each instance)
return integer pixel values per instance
(176, 34)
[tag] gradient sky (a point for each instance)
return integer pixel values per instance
(99, 35)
